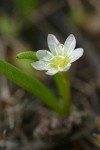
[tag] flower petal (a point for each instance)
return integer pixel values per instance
(52, 72)
(70, 43)
(52, 42)
(60, 50)
(42, 54)
(39, 65)
(66, 68)
(76, 54)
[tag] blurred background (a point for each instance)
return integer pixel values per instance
(24, 26)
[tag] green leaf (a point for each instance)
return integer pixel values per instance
(27, 55)
(63, 85)
(30, 84)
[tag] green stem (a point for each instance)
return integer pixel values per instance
(63, 85)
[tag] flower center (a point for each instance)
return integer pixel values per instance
(58, 62)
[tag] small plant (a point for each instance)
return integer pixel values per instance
(55, 62)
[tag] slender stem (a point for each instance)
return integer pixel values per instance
(63, 85)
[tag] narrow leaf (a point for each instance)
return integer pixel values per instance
(30, 84)
(27, 55)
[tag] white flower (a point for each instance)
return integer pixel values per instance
(60, 56)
